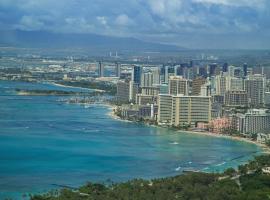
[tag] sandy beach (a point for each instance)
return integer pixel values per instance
(67, 86)
(113, 116)
(264, 147)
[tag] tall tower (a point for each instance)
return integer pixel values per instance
(255, 88)
(100, 69)
(117, 69)
(225, 67)
(245, 68)
(137, 73)
(178, 85)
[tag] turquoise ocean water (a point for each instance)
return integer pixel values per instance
(45, 143)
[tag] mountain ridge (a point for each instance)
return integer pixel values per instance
(45, 39)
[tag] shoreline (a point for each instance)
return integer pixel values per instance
(264, 147)
(113, 116)
(68, 86)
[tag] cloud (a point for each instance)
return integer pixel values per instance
(123, 20)
(169, 21)
(102, 20)
(237, 3)
(30, 23)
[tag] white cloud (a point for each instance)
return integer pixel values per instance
(123, 20)
(238, 3)
(143, 18)
(30, 23)
(102, 20)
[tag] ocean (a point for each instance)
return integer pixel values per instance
(46, 144)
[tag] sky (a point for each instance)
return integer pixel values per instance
(220, 24)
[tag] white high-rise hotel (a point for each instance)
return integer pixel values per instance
(179, 109)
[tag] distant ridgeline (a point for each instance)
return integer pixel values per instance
(249, 182)
(94, 42)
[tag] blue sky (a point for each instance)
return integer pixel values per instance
(190, 23)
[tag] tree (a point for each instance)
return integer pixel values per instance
(230, 172)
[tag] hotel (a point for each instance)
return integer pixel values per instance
(179, 109)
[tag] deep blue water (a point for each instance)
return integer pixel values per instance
(44, 142)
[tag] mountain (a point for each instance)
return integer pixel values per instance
(45, 39)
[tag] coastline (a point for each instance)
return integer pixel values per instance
(68, 86)
(264, 147)
(113, 116)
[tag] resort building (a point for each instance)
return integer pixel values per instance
(147, 79)
(165, 108)
(220, 85)
(254, 121)
(122, 94)
(153, 90)
(178, 85)
(234, 83)
(218, 125)
(267, 98)
(236, 98)
(144, 99)
(197, 83)
(179, 110)
(255, 88)
(126, 91)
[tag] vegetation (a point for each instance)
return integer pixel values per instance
(48, 92)
(246, 183)
(267, 143)
(232, 131)
(183, 127)
(109, 88)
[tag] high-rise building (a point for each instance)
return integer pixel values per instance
(100, 69)
(166, 74)
(133, 91)
(147, 79)
(236, 98)
(123, 88)
(153, 90)
(205, 89)
(176, 70)
(225, 67)
(267, 98)
(165, 108)
(245, 69)
(178, 85)
(220, 85)
(254, 121)
(190, 110)
(212, 69)
(196, 85)
(180, 110)
(117, 69)
(137, 73)
(156, 76)
(224, 82)
(126, 91)
(144, 99)
(203, 72)
(163, 89)
(162, 74)
(233, 83)
(231, 69)
(255, 88)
